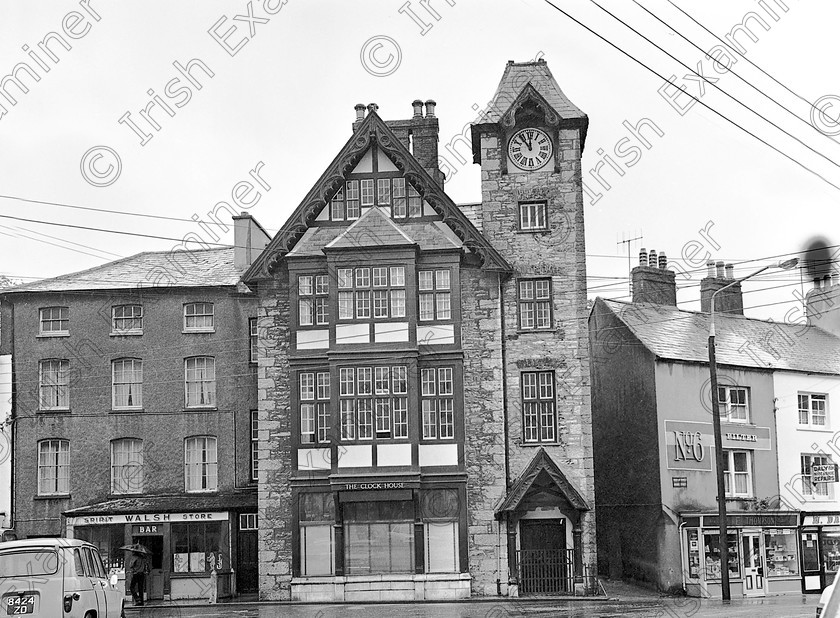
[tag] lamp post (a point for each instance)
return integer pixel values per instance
(719, 457)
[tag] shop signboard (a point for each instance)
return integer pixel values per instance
(690, 443)
(824, 474)
(144, 518)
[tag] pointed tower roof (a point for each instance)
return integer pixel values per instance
(373, 130)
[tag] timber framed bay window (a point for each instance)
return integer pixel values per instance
(127, 384)
(54, 384)
(733, 403)
(53, 467)
(127, 466)
(378, 537)
(314, 398)
(199, 318)
(737, 473)
(313, 300)
(316, 517)
(373, 402)
(200, 464)
(534, 302)
(437, 403)
(539, 417)
(371, 292)
(434, 295)
(200, 382)
(813, 410)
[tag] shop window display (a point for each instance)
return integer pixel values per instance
(712, 550)
(780, 548)
(830, 550)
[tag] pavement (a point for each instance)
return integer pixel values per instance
(622, 599)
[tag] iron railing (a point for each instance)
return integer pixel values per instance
(546, 571)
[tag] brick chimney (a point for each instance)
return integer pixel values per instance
(731, 299)
(249, 239)
(653, 282)
(822, 304)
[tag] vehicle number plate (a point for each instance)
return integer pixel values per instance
(20, 605)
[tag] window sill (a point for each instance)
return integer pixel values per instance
(542, 231)
(52, 497)
(536, 331)
(127, 410)
(193, 408)
(198, 331)
(54, 411)
(126, 333)
(814, 429)
(63, 333)
(201, 492)
(523, 443)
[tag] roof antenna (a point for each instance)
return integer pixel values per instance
(627, 241)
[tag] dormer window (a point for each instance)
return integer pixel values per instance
(395, 194)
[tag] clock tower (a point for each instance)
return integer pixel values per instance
(528, 142)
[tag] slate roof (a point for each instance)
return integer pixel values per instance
(677, 334)
(373, 229)
(167, 504)
(151, 269)
(516, 76)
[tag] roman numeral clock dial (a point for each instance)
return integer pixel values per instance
(529, 149)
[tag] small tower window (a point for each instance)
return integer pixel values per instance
(533, 216)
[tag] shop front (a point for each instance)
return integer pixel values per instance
(763, 554)
(820, 546)
(186, 546)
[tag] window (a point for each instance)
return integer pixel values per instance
(732, 402)
(539, 420)
(253, 339)
(314, 395)
(373, 401)
(813, 410)
(127, 384)
(108, 539)
(810, 487)
(198, 317)
(737, 472)
(54, 384)
(127, 466)
(534, 304)
(313, 300)
(255, 446)
(200, 467)
(55, 321)
(53, 467)
(711, 543)
(441, 528)
(434, 295)
(437, 403)
(533, 216)
(248, 521)
(200, 381)
(317, 541)
(379, 537)
(371, 292)
(196, 547)
(127, 319)
(396, 193)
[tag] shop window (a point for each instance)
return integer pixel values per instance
(200, 381)
(313, 300)
(811, 486)
(127, 320)
(317, 541)
(373, 401)
(534, 304)
(127, 384)
(314, 397)
(440, 510)
(733, 405)
(108, 539)
(255, 445)
(711, 542)
(379, 537)
(367, 292)
(830, 552)
(54, 321)
(53, 467)
(127, 466)
(200, 464)
(437, 403)
(54, 384)
(253, 340)
(195, 547)
(737, 473)
(434, 295)
(199, 317)
(539, 420)
(813, 410)
(781, 555)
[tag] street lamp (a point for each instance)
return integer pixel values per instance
(721, 484)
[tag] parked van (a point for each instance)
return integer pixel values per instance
(56, 578)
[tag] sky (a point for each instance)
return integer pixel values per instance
(274, 84)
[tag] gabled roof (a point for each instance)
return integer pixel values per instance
(373, 229)
(676, 334)
(541, 463)
(372, 130)
(198, 268)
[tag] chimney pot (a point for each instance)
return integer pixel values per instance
(817, 283)
(663, 261)
(643, 257)
(372, 107)
(430, 108)
(730, 271)
(710, 268)
(652, 260)
(720, 271)
(417, 104)
(360, 111)
(827, 281)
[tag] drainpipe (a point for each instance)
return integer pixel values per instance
(505, 428)
(682, 555)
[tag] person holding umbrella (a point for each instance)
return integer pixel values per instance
(137, 568)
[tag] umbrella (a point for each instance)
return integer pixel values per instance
(137, 548)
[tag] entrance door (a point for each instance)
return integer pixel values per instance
(246, 570)
(753, 552)
(811, 572)
(545, 566)
(154, 583)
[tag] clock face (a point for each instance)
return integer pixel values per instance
(529, 149)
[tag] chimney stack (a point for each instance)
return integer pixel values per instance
(822, 304)
(651, 283)
(719, 276)
(421, 133)
(249, 239)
